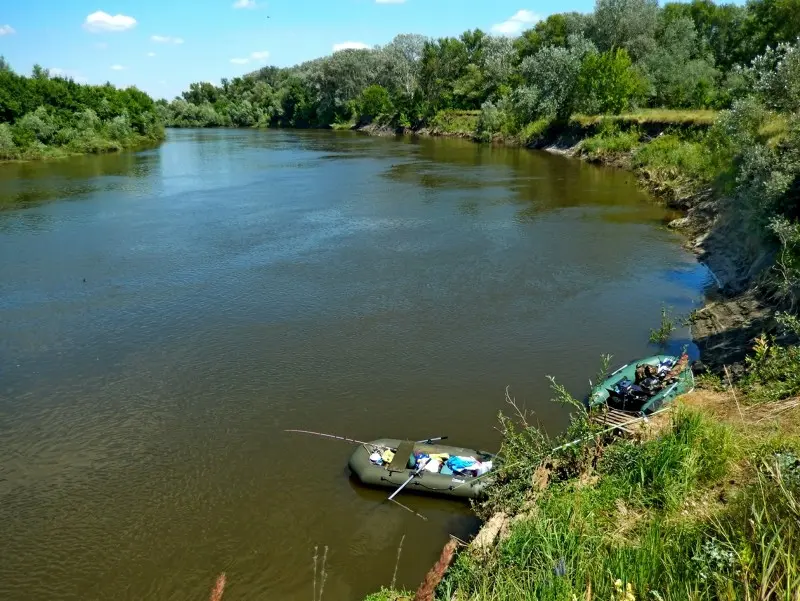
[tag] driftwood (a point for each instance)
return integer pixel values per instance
(427, 589)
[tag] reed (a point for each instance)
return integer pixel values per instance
(397, 562)
(219, 588)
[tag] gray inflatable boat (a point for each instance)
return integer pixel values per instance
(403, 464)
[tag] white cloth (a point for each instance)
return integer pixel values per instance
(484, 467)
(434, 465)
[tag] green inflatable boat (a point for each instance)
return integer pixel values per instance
(368, 463)
(659, 380)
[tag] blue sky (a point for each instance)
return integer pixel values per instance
(163, 45)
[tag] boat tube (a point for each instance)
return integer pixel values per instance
(403, 465)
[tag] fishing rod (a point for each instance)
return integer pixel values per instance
(346, 439)
(335, 437)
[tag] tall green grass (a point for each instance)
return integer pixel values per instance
(662, 472)
(637, 531)
(675, 159)
(610, 141)
(645, 116)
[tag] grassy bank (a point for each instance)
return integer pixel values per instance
(705, 509)
(93, 143)
(703, 503)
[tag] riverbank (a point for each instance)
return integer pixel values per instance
(688, 504)
(704, 498)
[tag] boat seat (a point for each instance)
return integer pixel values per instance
(400, 461)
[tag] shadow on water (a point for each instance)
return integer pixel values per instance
(536, 181)
(29, 183)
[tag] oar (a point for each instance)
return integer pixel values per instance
(410, 478)
(432, 440)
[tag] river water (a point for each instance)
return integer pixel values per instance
(166, 314)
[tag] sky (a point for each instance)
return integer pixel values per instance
(161, 46)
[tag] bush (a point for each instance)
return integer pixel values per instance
(787, 263)
(373, 102)
(607, 83)
(119, 128)
(773, 371)
(776, 76)
(7, 147)
(490, 121)
(551, 79)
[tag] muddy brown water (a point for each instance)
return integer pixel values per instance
(166, 314)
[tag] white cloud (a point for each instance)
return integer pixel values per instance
(244, 4)
(151, 54)
(514, 26)
(6, 30)
(349, 46)
(390, 1)
(101, 21)
(68, 74)
(166, 39)
(260, 56)
(117, 68)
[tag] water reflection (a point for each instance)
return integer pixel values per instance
(28, 183)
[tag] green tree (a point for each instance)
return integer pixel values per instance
(550, 79)
(608, 83)
(629, 24)
(680, 73)
(553, 31)
(770, 22)
(373, 102)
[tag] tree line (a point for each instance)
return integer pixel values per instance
(625, 54)
(45, 115)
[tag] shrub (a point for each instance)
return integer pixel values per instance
(661, 335)
(490, 121)
(36, 126)
(773, 371)
(373, 102)
(607, 83)
(7, 146)
(119, 128)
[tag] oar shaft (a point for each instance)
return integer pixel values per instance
(402, 486)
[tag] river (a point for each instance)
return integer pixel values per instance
(165, 315)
